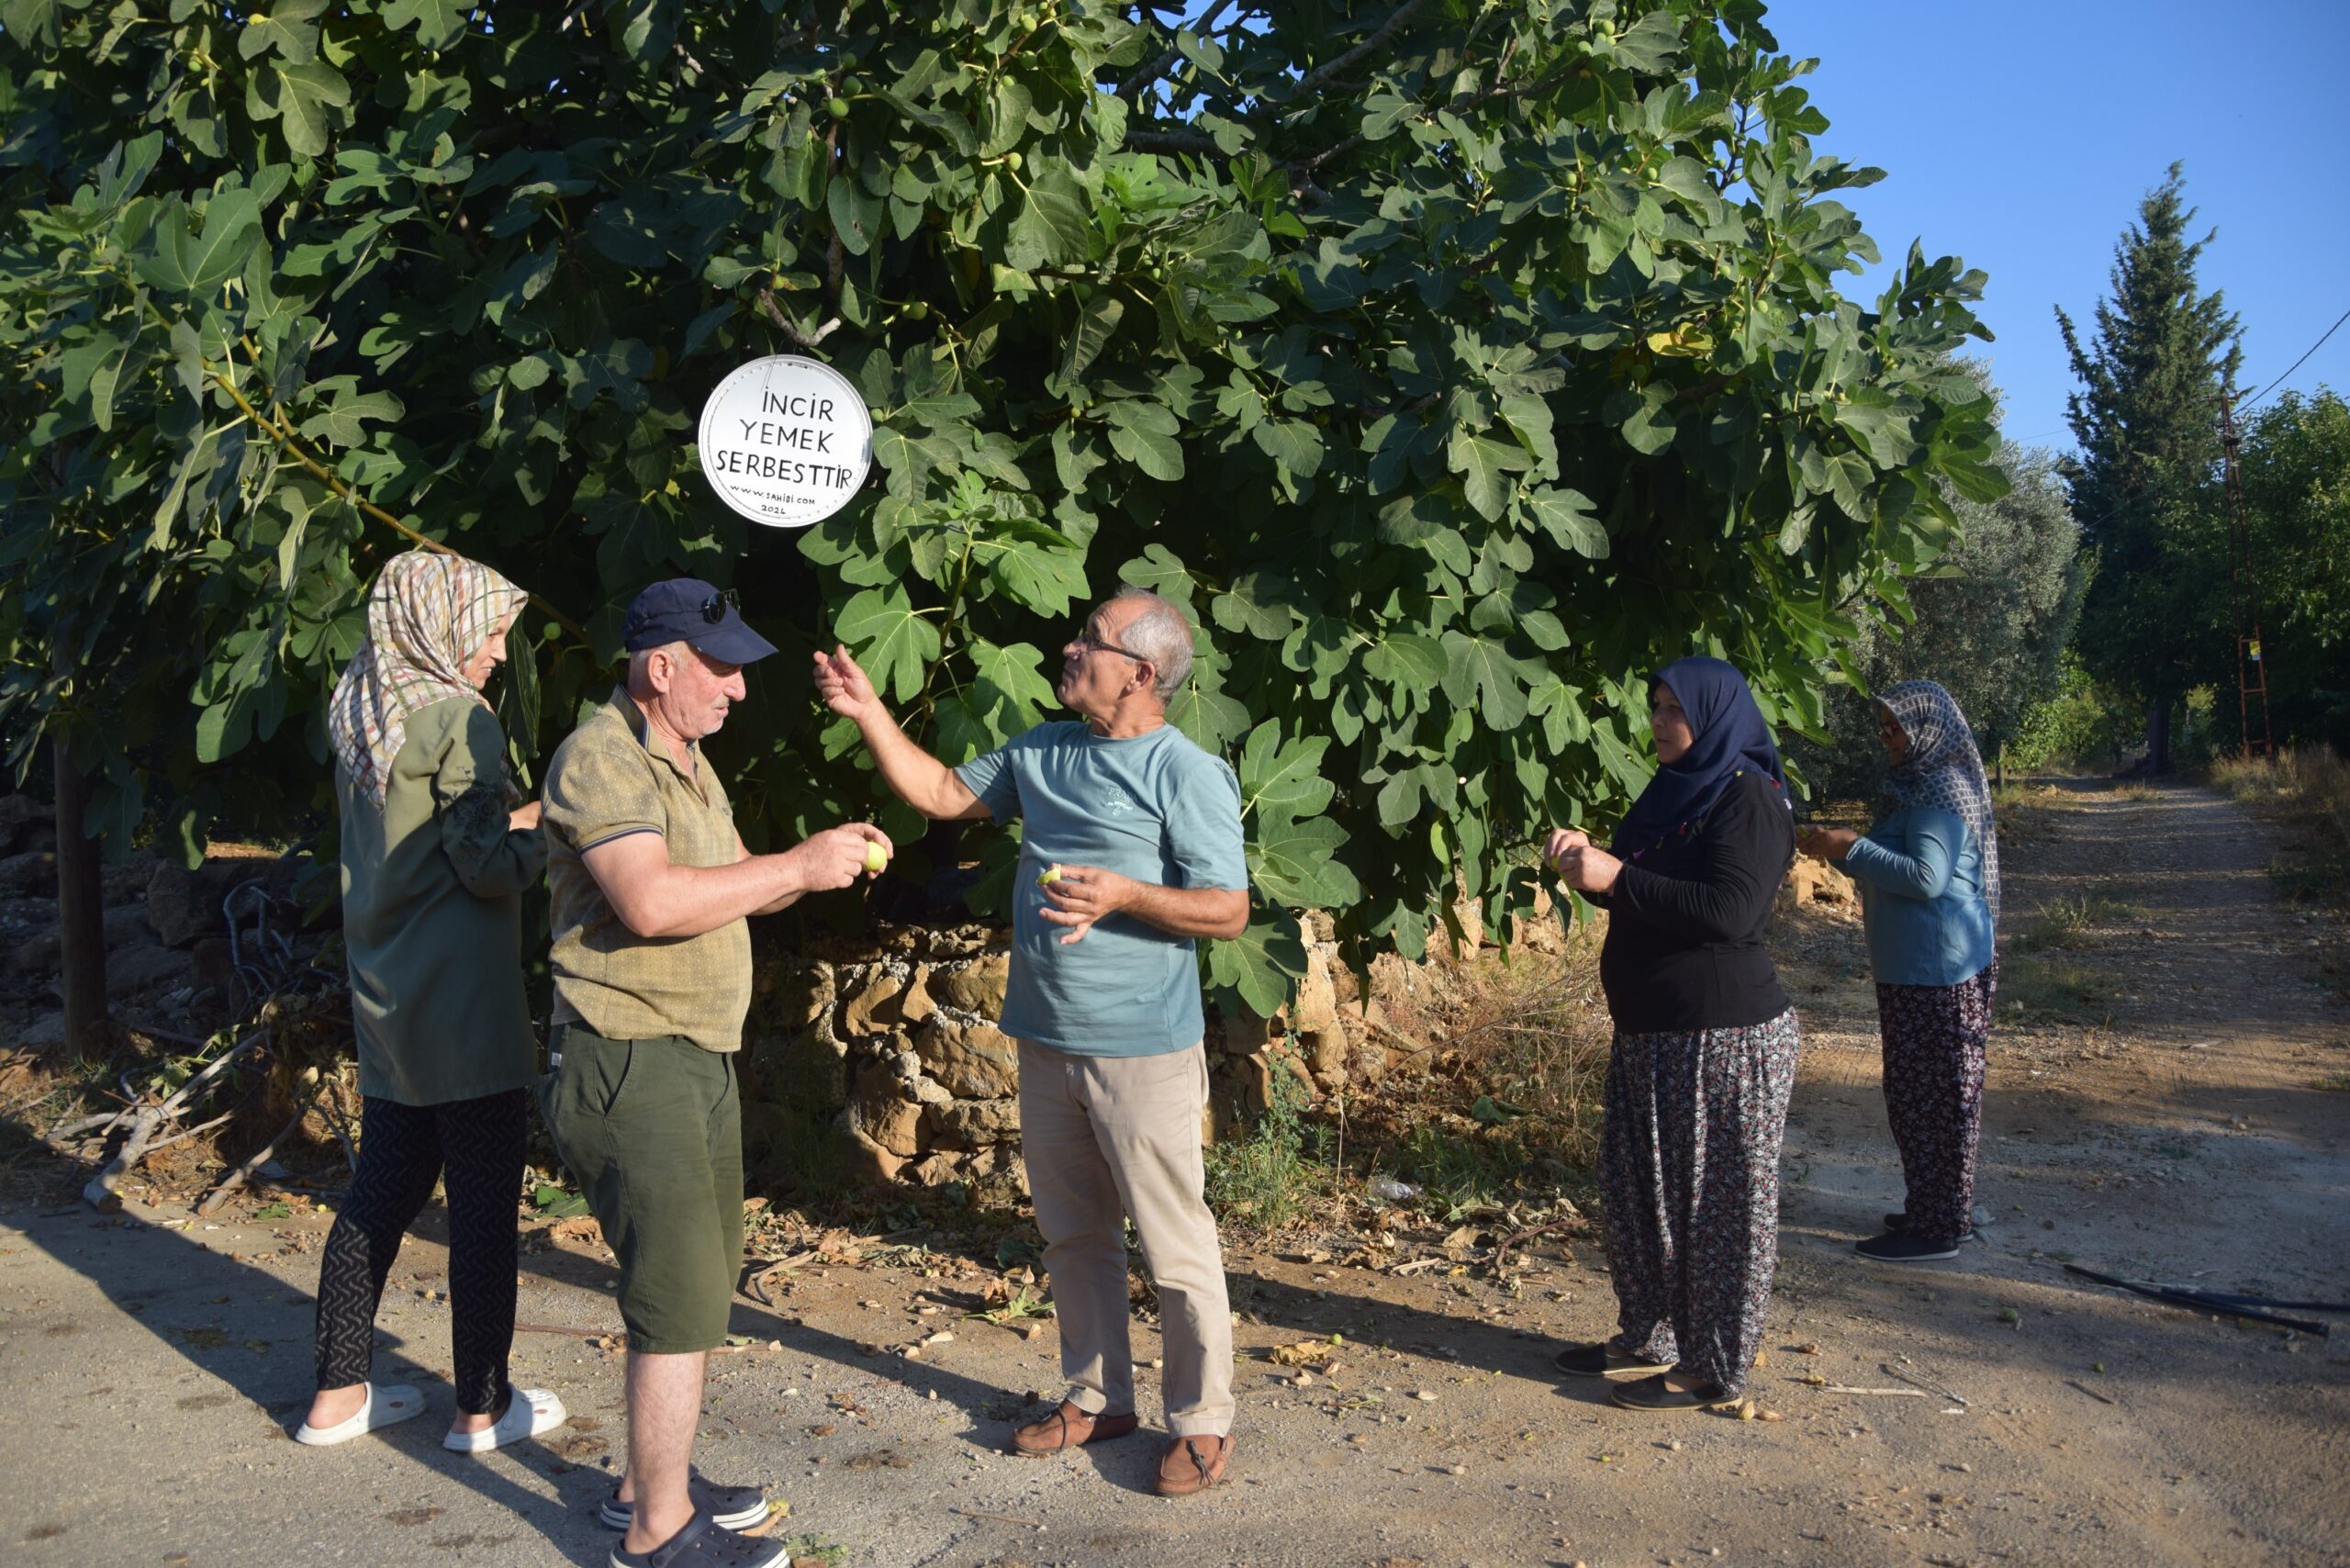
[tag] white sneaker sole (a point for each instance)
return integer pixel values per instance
(386, 1405)
(528, 1413)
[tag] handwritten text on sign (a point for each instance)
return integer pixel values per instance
(786, 440)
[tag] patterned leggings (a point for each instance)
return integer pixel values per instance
(1689, 1176)
(402, 1151)
(1934, 1040)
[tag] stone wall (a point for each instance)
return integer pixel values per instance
(894, 1040)
(169, 959)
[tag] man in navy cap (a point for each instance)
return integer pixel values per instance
(652, 958)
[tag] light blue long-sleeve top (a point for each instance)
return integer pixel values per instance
(1921, 874)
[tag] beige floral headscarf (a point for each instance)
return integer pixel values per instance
(427, 614)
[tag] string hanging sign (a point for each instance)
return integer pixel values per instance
(786, 440)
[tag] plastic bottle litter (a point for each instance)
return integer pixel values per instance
(1391, 1190)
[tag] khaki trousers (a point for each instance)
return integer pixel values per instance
(1106, 1138)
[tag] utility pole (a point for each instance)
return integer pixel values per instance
(2252, 670)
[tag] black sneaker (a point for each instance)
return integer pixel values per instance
(732, 1507)
(1896, 1222)
(705, 1543)
(1600, 1359)
(1900, 1246)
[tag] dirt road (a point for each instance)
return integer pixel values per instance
(149, 1365)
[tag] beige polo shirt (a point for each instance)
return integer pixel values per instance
(610, 778)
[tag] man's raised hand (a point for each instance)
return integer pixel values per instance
(843, 686)
(836, 858)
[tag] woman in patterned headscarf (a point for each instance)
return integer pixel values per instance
(435, 858)
(1930, 887)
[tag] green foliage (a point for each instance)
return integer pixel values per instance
(2041, 987)
(1468, 1171)
(2072, 921)
(2085, 724)
(556, 1201)
(1990, 622)
(1456, 366)
(2296, 470)
(1265, 1181)
(2147, 418)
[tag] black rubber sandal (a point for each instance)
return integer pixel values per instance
(1655, 1394)
(731, 1508)
(705, 1543)
(1600, 1359)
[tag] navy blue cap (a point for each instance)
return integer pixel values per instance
(687, 610)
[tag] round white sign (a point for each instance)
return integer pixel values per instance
(786, 440)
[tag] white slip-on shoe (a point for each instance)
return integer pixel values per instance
(384, 1406)
(529, 1412)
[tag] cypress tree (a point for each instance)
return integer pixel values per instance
(2144, 485)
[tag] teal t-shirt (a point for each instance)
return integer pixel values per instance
(1154, 807)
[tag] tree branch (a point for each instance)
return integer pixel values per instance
(1131, 88)
(285, 437)
(1301, 171)
(1174, 141)
(255, 1162)
(1312, 79)
(1707, 388)
(789, 328)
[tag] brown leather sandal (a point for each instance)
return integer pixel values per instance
(1193, 1464)
(1069, 1428)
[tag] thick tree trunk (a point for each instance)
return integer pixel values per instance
(81, 926)
(2158, 736)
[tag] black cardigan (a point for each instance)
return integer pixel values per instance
(1685, 931)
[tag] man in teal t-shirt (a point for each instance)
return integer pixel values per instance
(1130, 852)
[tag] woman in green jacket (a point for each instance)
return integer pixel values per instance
(435, 858)
(1929, 875)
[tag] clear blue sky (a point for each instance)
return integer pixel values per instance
(2023, 137)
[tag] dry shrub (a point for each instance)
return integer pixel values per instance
(2312, 782)
(1532, 1035)
(2307, 789)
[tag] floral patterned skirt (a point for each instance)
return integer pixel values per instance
(1689, 1175)
(1935, 1037)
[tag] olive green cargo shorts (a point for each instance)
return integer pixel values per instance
(652, 1130)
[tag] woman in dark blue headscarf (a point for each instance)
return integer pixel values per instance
(1705, 1052)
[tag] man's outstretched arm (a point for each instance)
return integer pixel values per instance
(918, 778)
(655, 899)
